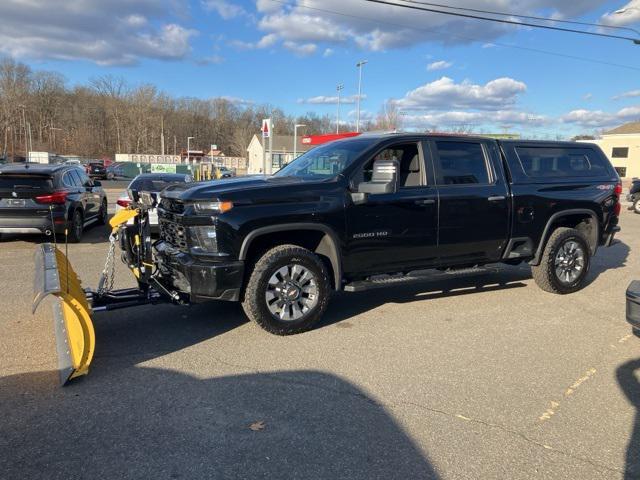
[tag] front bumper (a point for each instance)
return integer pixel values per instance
(200, 280)
(633, 304)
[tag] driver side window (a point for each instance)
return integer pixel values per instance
(411, 165)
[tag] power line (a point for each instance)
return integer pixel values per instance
(508, 22)
(465, 37)
(529, 17)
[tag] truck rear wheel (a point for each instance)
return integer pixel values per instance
(288, 290)
(565, 262)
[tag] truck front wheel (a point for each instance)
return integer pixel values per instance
(288, 290)
(565, 262)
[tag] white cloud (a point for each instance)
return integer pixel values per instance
(225, 8)
(600, 119)
(625, 15)
(301, 50)
(213, 59)
(92, 30)
(330, 100)
(327, 52)
(439, 65)
(267, 41)
(446, 94)
(237, 100)
(629, 94)
(455, 118)
(587, 96)
(380, 27)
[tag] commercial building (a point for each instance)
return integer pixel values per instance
(282, 152)
(622, 146)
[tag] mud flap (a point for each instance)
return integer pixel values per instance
(75, 336)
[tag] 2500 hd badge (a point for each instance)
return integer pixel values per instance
(382, 233)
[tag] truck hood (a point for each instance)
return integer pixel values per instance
(217, 188)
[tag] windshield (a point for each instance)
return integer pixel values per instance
(325, 161)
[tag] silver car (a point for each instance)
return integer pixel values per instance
(153, 183)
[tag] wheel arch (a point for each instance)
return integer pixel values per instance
(573, 218)
(327, 243)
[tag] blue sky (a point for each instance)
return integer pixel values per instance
(442, 72)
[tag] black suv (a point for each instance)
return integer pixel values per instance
(97, 170)
(377, 210)
(37, 198)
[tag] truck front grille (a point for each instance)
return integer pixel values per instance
(170, 222)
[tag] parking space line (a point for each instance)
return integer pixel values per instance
(555, 405)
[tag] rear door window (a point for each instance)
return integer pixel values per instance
(77, 179)
(461, 163)
(560, 162)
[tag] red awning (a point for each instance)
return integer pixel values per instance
(320, 139)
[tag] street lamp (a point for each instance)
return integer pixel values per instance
(189, 148)
(359, 65)
(339, 88)
(295, 138)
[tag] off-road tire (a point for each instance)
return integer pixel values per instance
(75, 233)
(103, 215)
(544, 274)
(255, 303)
(636, 205)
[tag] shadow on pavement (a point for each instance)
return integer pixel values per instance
(346, 305)
(628, 375)
(143, 422)
(609, 258)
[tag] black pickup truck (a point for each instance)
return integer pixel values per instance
(372, 210)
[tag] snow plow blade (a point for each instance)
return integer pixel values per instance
(75, 337)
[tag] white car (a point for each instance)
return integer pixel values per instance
(153, 183)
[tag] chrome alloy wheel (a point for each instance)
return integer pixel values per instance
(291, 292)
(569, 262)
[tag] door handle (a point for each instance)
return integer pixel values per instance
(425, 201)
(496, 198)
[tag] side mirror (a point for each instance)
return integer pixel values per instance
(97, 183)
(384, 178)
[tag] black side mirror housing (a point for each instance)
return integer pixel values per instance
(384, 178)
(97, 183)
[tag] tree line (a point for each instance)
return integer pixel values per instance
(40, 112)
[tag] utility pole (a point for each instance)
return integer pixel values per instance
(359, 65)
(189, 149)
(24, 121)
(175, 146)
(162, 135)
(339, 88)
(295, 139)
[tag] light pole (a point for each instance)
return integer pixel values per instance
(189, 148)
(295, 138)
(359, 65)
(339, 88)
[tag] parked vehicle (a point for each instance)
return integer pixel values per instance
(634, 195)
(42, 198)
(115, 171)
(97, 170)
(226, 172)
(371, 211)
(366, 212)
(152, 183)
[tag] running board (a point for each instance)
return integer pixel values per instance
(381, 281)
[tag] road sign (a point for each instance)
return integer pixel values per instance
(266, 128)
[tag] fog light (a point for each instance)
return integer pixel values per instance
(205, 239)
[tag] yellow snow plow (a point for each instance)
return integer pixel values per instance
(74, 306)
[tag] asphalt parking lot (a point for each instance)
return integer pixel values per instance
(478, 377)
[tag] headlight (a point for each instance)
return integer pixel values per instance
(204, 239)
(212, 207)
